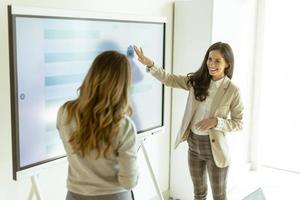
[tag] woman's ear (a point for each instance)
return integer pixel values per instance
(226, 69)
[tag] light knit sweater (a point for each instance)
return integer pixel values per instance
(90, 176)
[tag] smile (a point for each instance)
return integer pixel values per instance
(213, 70)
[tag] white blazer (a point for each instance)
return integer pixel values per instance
(227, 104)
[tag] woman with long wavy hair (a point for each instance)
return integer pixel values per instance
(98, 136)
(213, 109)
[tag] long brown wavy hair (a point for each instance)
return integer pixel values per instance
(200, 79)
(102, 102)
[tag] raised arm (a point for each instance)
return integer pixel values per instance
(171, 80)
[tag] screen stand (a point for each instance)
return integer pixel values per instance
(35, 188)
(158, 191)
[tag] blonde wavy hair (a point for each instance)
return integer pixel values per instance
(102, 102)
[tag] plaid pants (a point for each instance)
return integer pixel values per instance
(201, 163)
(119, 196)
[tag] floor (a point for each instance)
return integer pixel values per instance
(276, 184)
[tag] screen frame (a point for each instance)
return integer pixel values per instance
(23, 11)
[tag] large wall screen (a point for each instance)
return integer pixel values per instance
(50, 56)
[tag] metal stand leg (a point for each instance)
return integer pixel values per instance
(35, 189)
(158, 191)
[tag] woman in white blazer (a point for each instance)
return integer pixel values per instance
(213, 108)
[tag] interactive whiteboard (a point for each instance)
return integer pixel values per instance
(50, 53)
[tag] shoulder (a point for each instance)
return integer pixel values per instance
(64, 130)
(127, 126)
(127, 121)
(233, 86)
(127, 132)
(61, 118)
(60, 111)
(60, 115)
(235, 92)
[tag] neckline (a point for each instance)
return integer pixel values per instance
(218, 83)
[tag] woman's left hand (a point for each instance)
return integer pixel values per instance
(207, 124)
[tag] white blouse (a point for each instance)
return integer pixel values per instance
(204, 107)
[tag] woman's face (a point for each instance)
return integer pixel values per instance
(216, 64)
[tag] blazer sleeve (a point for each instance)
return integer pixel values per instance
(170, 80)
(235, 122)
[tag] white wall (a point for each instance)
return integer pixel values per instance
(280, 50)
(202, 23)
(234, 22)
(192, 37)
(52, 180)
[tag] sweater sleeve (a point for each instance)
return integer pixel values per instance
(127, 156)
